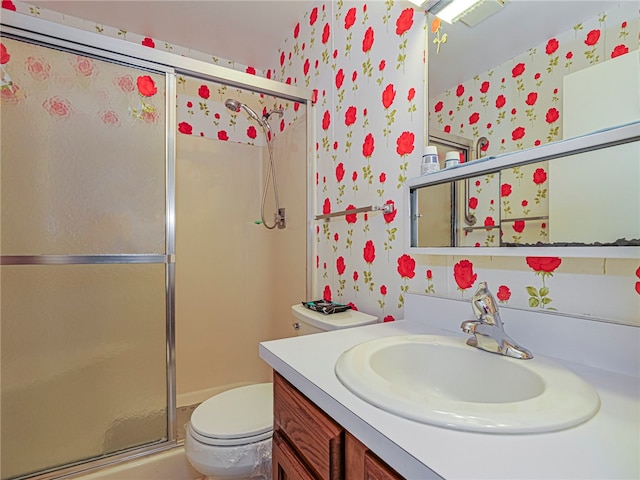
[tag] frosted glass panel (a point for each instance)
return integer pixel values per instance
(83, 366)
(83, 155)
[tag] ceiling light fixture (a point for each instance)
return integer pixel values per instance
(470, 12)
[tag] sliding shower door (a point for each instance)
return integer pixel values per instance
(86, 272)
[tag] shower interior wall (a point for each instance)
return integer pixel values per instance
(235, 280)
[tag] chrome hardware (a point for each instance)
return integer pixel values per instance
(296, 325)
(280, 218)
(488, 330)
(386, 208)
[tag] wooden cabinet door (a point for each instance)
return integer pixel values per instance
(375, 469)
(360, 463)
(317, 438)
(285, 463)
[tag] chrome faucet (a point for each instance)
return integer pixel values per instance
(488, 331)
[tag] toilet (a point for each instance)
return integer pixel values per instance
(229, 435)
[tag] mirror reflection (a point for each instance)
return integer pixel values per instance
(586, 199)
(490, 96)
(503, 79)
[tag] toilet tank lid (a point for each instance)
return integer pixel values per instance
(335, 321)
(237, 413)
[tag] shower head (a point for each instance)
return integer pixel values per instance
(234, 105)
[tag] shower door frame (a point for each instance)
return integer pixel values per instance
(54, 35)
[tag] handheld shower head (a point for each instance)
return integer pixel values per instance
(235, 106)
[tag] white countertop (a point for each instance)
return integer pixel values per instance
(605, 447)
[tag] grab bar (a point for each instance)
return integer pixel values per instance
(386, 208)
(469, 218)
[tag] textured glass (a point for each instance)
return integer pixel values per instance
(83, 370)
(83, 155)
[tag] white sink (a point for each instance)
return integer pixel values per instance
(441, 381)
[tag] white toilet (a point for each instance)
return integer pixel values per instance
(229, 435)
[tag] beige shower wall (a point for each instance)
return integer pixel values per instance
(235, 280)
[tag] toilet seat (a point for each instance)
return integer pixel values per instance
(239, 416)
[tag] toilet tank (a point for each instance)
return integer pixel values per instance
(308, 321)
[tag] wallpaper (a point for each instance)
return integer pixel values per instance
(517, 105)
(365, 62)
(370, 136)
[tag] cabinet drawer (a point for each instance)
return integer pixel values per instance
(286, 465)
(316, 437)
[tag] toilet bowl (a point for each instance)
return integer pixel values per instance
(229, 435)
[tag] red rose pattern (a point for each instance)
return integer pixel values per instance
(146, 86)
(185, 128)
(619, 50)
(386, 91)
(4, 55)
(539, 176)
(503, 293)
(367, 41)
(340, 265)
(326, 32)
(326, 294)
(326, 120)
(350, 18)
(350, 116)
(543, 264)
(58, 107)
(368, 146)
(405, 143)
(369, 252)
(518, 226)
(203, 92)
(38, 68)
(552, 115)
(552, 46)
(518, 70)
(592, 37)
(389, 217)
(463, 274)
(252, 133)
(405, 21)
(388, 95)
(406, 266)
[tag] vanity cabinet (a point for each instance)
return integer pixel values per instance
(308, 444)
(303, 429)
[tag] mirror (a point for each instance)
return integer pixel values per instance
(579, 74)
(584, 198)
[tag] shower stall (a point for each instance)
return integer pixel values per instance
(129, 248)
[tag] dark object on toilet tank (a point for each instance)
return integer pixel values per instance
(326, 307)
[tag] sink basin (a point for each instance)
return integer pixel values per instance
(441, 381)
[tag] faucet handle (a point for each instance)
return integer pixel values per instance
(484, 305)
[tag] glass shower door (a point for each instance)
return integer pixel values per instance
(85, 268)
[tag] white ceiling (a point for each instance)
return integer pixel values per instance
(251, 31)
(244, 31)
